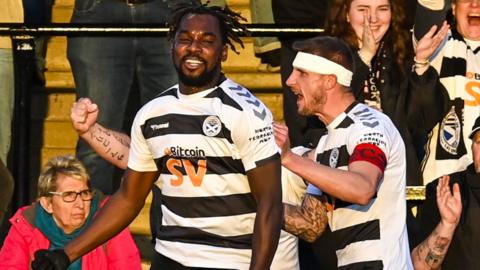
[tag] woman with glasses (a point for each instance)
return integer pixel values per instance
(65, 206)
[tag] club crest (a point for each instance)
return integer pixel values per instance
(450, 132)
(212, 126)
(334, 158)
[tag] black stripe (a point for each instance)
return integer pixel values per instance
(342, 204)
(197, 236)
(370, 265)
(215, 165)
(453, 66)
(476, 50)
(215, 206)
(275, 156)
(169, 92)
(369, 230)
(345, 123)
(179, 124)
(226, 99)
(342, 160)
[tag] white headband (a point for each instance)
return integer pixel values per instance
(321, 65)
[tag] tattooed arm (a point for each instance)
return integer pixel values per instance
(110, 145)
(430, 253)
(307, 221)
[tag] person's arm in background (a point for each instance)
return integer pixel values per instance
(266, 189)
(427, 100)
(430, 253)
(111, 145)
(429, 13)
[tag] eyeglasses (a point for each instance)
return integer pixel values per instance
(71, 196)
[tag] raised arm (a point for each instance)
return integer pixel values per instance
(119, 211)
(430, 253)
(111, 145)
(429, 13)
(266, 188)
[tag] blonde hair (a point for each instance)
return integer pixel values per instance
(66, 165)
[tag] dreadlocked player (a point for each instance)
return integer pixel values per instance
(221, 195)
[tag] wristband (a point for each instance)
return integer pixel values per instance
(420, 63)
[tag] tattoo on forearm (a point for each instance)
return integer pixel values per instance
(433, 249)
(307, 221)
(105, 137)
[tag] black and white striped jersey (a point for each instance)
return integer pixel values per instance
(372, 236)
(203, 144)
(448, 150)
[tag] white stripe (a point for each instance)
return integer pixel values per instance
(317, 64)
(212, 147)
(205, 256)
(223, 226)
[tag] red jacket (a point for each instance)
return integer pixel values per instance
(24, 239)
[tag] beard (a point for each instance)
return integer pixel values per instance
(197, 80)
(312, 106)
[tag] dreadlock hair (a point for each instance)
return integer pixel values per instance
(229, 21)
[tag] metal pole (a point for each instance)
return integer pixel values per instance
(23, 55)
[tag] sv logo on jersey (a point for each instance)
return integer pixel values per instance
(176, 166)
(473, 89)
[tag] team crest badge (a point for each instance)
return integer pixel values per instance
(450, 132)
(212, 126)
(334, 158)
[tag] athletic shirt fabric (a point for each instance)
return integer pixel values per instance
(448, 150)
(203, 144)
(372, 236)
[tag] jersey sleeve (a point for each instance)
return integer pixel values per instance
(370, 142)
(253, 135)
(140, 157)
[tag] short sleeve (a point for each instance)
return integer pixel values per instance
(140, 157)
(370, 142)
(253, 136)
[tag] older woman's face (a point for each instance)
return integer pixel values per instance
(467, 15)
(68, 215)
(378, 12)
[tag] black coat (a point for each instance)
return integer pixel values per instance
(415, 104)
(463, 250)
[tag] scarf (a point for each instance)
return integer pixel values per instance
(58, 239)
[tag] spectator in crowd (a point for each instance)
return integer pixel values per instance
(463, 211)
(190, 137)
(6, 182)
(310, 14)
(105, 69)
(383, 77)
(266, 48)
(12, 12)
(66, 205)
(357, 171)
(457, 62)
